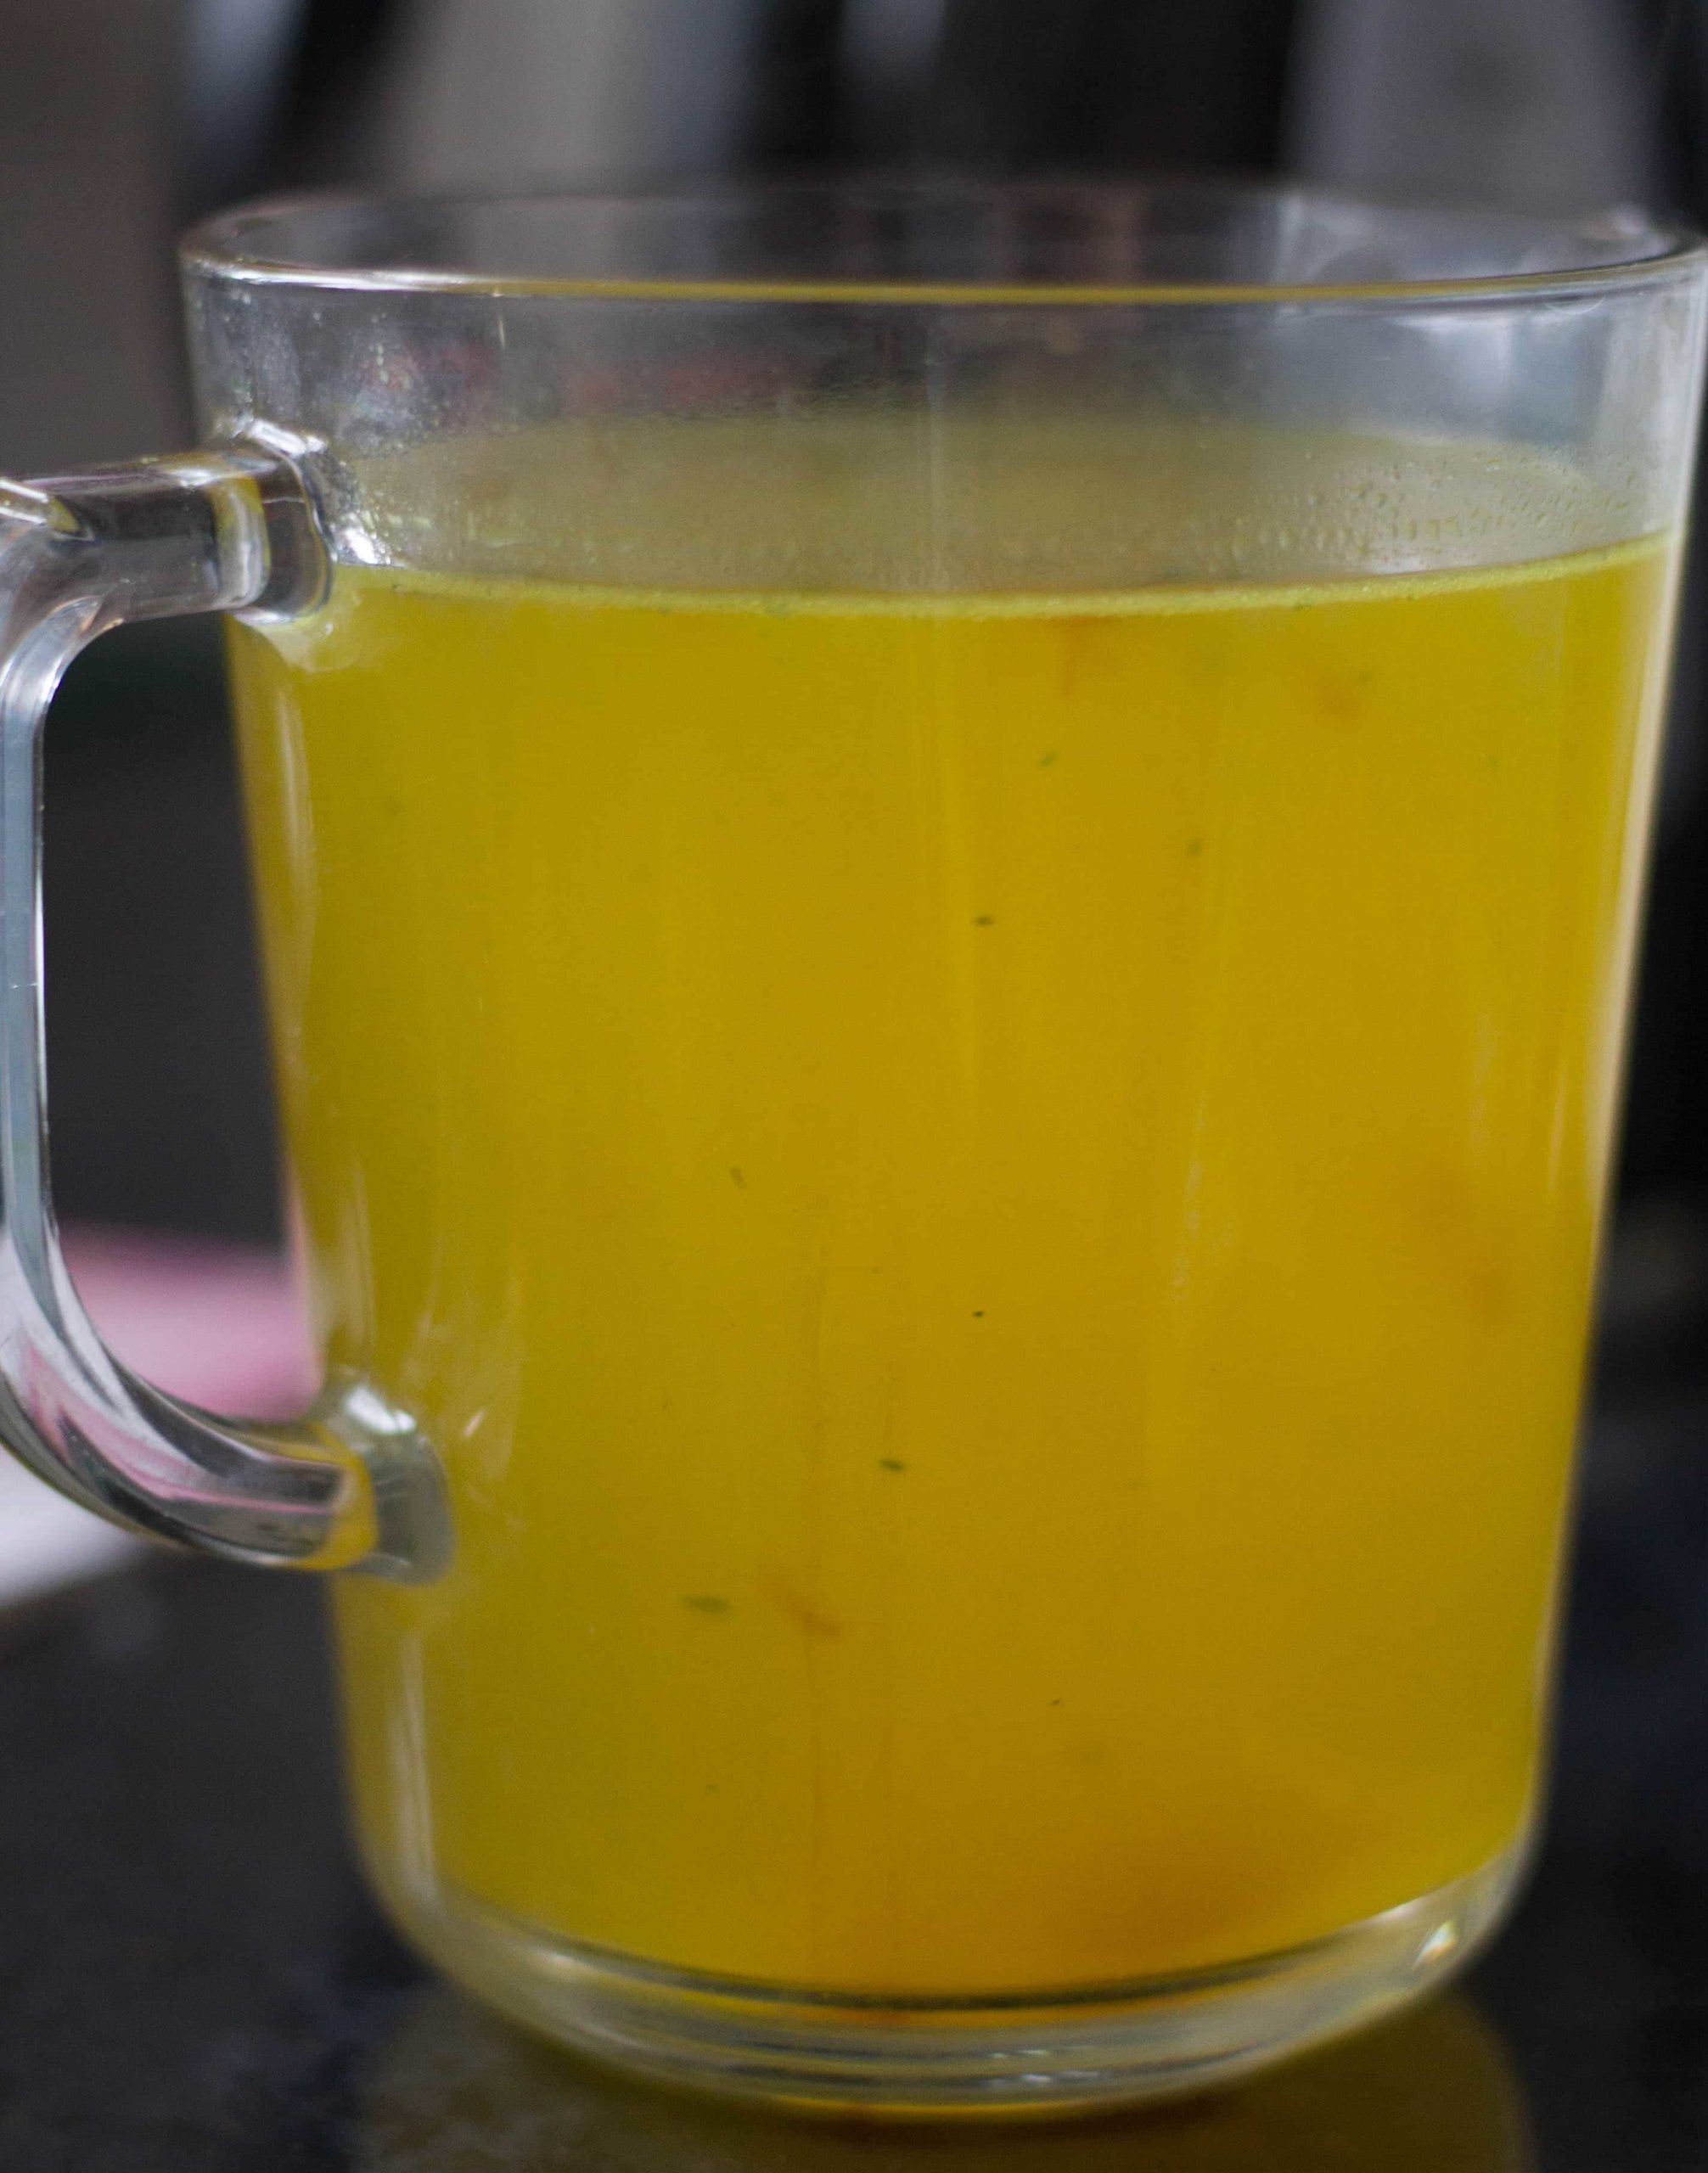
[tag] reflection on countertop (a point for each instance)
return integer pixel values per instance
(453, 2090)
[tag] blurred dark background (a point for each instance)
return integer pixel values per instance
(190, 1977)
(120, 120)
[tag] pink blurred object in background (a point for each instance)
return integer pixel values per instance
(220, 1325)
(217, 1324)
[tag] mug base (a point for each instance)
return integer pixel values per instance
(922, 2056)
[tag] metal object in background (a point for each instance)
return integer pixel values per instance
(888, 50)
(1541, 103)
(235, 78)
(596, 90)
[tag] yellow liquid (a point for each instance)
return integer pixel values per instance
(992, 1202)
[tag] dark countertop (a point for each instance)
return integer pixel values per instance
(192, 1978)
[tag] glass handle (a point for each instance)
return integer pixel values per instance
(353, 1482)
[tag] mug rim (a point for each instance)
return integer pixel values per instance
(249, 244)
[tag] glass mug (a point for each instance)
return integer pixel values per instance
(948, 879)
